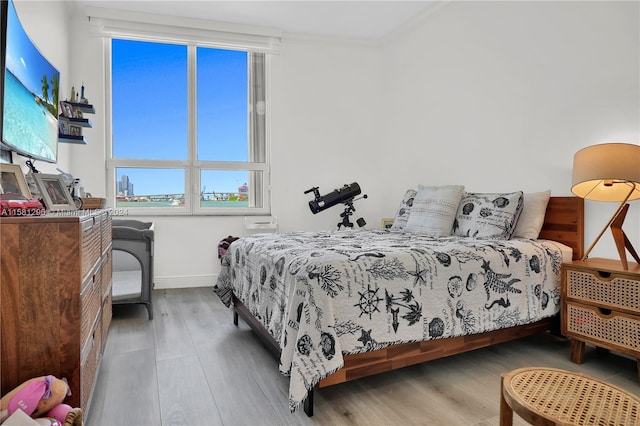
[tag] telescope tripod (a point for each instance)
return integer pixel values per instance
(348, 211)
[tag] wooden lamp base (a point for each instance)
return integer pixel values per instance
(621, 240)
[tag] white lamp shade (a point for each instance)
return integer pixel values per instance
(607, 172)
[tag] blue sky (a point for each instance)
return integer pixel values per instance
(150, 111)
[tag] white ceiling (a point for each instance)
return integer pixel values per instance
(358, 19)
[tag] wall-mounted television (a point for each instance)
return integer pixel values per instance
(29, 96)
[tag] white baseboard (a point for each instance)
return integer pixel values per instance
(187, 281)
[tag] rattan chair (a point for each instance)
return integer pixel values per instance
(550, 396)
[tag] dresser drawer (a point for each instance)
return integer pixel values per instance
(106, 272)
(90, 304)
(91, 243)
(602, 326)
(606, 289)
(90, 361)
(106, 225)
(105, 320)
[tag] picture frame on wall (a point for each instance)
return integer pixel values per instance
(387, 222)
(54, 193)
(13, 185)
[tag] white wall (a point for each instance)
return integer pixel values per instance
(497, 96)
(87, 67)
(327, 118)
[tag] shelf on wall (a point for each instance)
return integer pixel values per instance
(72, 139)
(80, 122)
(86, 108)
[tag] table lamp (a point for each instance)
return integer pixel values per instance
(609, 172)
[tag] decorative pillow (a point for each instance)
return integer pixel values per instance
(434, 210)
(403, 211)
(532, 216)
(488, 215)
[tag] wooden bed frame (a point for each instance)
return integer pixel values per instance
(564, 222)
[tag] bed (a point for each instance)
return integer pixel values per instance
(339, 306)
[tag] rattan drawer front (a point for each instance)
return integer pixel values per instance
(620, 291)
(616, 329)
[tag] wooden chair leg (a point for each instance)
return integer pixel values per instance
(506, 413)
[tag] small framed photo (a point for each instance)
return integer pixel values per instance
(54, 192)
(75, 130)
(66, 110)
(63, 126)
(12, 182)
(387, 222)
(78, 113)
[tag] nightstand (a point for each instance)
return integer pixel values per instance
(601, 306)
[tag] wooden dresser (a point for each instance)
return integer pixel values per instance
(55, 289)
(601, 306)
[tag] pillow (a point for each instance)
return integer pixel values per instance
(403, 211)
(434, 210)
(532, 216)
(488, 215)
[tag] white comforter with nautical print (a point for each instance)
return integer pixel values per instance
(324, 294)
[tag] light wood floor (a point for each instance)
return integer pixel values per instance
(192, 366)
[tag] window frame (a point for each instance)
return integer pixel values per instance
(192, 166)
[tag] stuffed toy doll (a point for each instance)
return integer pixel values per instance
(41, 398)
(223, 246)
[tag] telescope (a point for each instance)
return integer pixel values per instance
(345, 195)
(341, 195)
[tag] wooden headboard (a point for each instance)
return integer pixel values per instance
(564, 223)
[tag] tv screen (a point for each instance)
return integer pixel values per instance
(30, 93)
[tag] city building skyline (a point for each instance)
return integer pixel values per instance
(125, 186)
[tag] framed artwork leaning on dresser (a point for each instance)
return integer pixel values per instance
(12, 182)
(54, 193)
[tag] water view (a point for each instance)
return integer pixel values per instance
(207, 199)
(172, 203)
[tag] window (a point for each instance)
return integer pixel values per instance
(188, 128)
